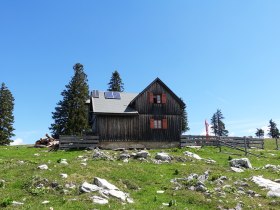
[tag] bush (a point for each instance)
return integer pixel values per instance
(215, 177)
(130, 185)
(6, 202)
(176, 172)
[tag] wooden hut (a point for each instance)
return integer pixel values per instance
(150, 119)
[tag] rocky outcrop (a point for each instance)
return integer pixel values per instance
(243, 162)
(273, 187)
(163, 156)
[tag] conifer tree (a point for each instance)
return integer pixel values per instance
(185, 124)
(218, 126)
(273, 131)
(116, 83)
(260, 133)
(6, 115)
(71, 113)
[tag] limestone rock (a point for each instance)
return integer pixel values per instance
(64, 176)
(43, 167)
(124, 156)
(202, 178)
(273, 187)
(99, 200)
(238, 170)
(100, 155)
(243, 162)
(15, 203)
(63, 162)
(86, 187)
(193, 155)
(163, 156)
(104, 184)
(142, 154)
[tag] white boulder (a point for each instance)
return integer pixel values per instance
(163, 156)
(64, 176)
(86, 187)
(99, 200)
(242, 162)
(142, 154)
(103, 183)
(273, 187)
(192, 155)
(63, 162)
(237, 170)
(43, 167)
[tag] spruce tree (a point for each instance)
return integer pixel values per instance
(260, 133)
(218, 126)
(71, 113)
(6, 115)
(273, 131)
(116, 83)
(185, 124)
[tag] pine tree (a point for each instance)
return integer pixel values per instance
(260, 133)
(218, 126)
(6, 115)
(116, 83)
(185, 124)
(71, 114)
(273, 131)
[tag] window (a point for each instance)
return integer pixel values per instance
(158, 124)
(157, 99)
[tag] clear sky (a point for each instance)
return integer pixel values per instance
(213, 54)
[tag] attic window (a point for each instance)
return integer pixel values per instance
(157, 99)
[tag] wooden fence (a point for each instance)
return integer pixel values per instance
(78, 142)
(245, 142)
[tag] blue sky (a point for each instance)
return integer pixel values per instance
(213, 54)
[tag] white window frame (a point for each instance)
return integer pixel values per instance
(157, 124)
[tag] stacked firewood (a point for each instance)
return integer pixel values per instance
(48, 141)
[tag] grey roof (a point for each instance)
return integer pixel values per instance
(102, 105)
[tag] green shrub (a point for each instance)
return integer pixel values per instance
(215, 177)
(2, 183)
(6, 202)
(130, 185)
(176, 172)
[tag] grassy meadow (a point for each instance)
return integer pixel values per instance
(141, 179)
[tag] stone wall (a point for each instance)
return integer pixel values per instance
(138, 145)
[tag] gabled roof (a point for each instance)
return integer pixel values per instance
(165, 87)
(101, 105)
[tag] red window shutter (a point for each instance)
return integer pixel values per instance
(164, 123)
(163, 98)
(150, 97)
(152, 125)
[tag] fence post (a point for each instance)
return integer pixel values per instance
(277, 143)
(245, 145)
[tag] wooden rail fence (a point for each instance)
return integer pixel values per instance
(78, 142)
(242, 142)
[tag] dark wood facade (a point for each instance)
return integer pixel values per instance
(159, 118)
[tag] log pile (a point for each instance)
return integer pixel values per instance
(48, 141)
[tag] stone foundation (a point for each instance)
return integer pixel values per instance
(138, 145)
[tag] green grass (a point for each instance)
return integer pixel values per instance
(141, 179)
